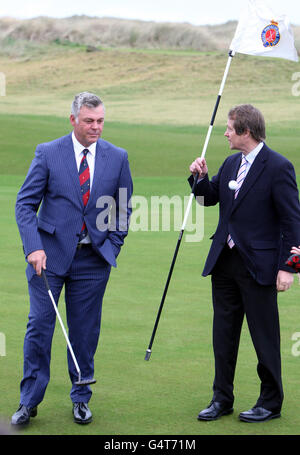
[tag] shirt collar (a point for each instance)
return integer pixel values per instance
(78, 148)
(253, 154)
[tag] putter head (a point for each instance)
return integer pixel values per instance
(83, 382)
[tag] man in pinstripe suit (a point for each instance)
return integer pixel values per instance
(64, 227)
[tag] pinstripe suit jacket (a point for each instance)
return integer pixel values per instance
(50, 210)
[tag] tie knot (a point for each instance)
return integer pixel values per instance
(244, 161)
(85, 152)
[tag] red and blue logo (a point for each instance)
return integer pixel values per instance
(271, 35)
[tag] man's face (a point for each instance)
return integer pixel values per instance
(88, 126)
(236, 141)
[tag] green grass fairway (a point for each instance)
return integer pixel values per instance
(131, 396)
(164, 395)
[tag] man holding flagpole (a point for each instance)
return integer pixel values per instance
(259, 221)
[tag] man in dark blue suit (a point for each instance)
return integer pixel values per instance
(259, 221)
(62, 212)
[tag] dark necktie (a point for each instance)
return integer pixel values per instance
(84, 179)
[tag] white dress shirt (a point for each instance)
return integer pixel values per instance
(251, 156)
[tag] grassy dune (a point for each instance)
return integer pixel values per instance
(113, 32)
(150, 87)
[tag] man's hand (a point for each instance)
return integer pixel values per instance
(38, 260)
(295, 250)
(199, 166)
(284, 280)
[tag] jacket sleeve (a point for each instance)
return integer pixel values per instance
(208, 188)
(28, 202)
(120, 223)
(286, 200)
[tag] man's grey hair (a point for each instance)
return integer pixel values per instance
(85, 99)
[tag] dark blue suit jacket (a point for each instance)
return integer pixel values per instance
(52, 189)
(264, 219)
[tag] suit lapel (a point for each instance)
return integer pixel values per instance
(255, 170)
(233, 175)
(230, 173)
(68, 161)
(101, 159)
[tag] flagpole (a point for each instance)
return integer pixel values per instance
(210, 128)
(230, 57)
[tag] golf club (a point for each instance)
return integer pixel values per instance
(80, 381)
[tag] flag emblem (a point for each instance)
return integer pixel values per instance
(271, 35)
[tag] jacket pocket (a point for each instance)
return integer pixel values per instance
(264, 245)
(45, 226)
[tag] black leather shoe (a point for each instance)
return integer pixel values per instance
(23, 414)
(258, 414)
(214, 411)
(82, 413)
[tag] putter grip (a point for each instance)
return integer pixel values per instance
(45, 279)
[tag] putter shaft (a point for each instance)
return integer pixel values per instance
(61, 324)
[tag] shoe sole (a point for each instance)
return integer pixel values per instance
(209, 419)
(83, 422)
(246, 419)
(17, 426)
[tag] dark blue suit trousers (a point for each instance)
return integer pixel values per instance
(85, 284)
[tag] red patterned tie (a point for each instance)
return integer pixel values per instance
(84, 179)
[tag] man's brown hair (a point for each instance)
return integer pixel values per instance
(247, 117)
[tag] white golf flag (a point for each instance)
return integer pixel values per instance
(262, 31)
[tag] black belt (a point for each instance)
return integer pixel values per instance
(83, 245)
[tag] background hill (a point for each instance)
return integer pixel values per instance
(111, 32)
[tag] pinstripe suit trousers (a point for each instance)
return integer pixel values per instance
(85, 284)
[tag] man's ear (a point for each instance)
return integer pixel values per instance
(246, 134)
(72, 120)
